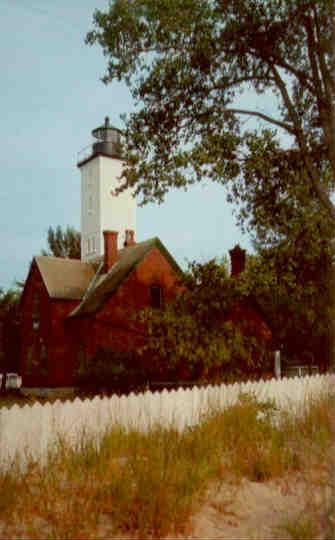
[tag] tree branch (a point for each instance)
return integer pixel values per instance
(300, 136)
(311, 48)
(265, 117)
(322, 62)
(300, 75)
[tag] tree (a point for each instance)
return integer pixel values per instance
(10, 339)
(292, 235)
(63, 243)
(111, 371)
(291, 286)
(197, 337)
(187, 63)
(187, 127)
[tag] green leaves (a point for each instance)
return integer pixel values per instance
(194, 336)
(63, 243)
(10, 320)
(188, 61)
(293, 287)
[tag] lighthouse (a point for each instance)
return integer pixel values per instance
(101, 209)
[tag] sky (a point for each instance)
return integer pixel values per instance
(52, 98)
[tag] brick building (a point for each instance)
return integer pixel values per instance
(72, 308)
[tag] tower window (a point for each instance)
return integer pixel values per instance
(90, 204)
(156, 296)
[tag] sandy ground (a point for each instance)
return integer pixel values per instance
(257, 511)
(251, 510)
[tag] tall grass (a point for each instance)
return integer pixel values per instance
(149, 484)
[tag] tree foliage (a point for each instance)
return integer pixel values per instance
(187, 63)
(9, 335)
(111, 371)
(9, 299)
(292, 287)
(195, 336)
(63, 243)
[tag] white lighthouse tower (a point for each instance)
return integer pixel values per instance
(101, 209)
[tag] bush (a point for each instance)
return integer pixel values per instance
(111, 371)
(207, 333)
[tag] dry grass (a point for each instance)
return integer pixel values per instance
(316, 443)
(148, 485)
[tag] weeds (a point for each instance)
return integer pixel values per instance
(300, 528)
(9, 486)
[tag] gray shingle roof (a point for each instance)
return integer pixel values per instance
(65, 278)
(106, 284)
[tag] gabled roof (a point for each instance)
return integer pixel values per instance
(105, 284)
(65, 278)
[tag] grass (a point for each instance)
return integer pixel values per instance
(149, 484)
(301, 527)
(313, 437)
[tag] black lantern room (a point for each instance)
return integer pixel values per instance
(108, 137)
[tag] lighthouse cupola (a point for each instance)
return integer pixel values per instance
(108, 138)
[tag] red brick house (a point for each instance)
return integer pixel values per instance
(70, 308)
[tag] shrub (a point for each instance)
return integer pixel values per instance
(111, 371)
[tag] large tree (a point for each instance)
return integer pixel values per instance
(63, 243)
(293, 271)
(191, 65)
(187, 61)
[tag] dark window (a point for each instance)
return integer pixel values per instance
(81, 358)
(36, 312)
(156, 296)
(29, 359)
(44, 359)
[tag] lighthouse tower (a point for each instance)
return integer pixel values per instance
(101, 209)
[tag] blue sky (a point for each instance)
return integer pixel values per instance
(52, 98)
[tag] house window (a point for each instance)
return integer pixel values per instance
(36, 312)
(81, 360)
(44, 359)
(29, 359)
(156, 296)
(90, 204)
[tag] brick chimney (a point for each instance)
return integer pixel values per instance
(129, 238)
(110, 251)
(237, 258)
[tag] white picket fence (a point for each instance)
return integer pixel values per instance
(31, 431)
